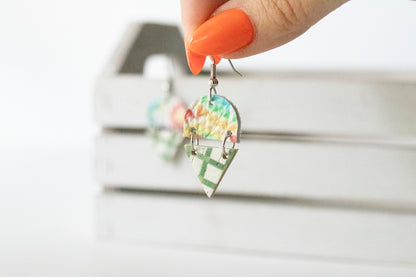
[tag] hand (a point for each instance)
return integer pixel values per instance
(240, 28)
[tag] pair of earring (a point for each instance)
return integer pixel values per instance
(211, 117)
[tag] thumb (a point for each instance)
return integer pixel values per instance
(241, 28)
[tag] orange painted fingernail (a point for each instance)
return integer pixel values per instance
(195, 61)
(224, 33)
(217, 59)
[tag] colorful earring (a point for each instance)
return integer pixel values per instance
(165, 120)
(211, 117)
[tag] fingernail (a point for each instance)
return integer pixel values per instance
(195, 61)
(224, 33)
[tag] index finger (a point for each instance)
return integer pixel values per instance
(194, 13)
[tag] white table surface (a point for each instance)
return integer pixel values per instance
(48, 221)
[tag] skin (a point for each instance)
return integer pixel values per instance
(275, 22)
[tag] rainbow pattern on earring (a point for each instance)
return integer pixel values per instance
(212, 119)
(166, 113)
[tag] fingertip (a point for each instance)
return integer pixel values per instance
(223, 34)
(196, 62)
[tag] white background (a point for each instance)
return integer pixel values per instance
(50, 54)
(51, 51)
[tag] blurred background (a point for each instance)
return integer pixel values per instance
(51, 53)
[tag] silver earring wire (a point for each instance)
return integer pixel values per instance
(235, 70)
(231, 64)
(213, 81)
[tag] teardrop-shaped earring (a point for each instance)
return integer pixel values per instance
(211, 117)
(165, 121)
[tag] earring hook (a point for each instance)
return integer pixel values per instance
(231, 64)
(235, 70)
(213, 81)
